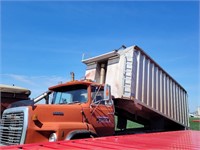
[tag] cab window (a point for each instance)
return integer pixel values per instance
(98, 95)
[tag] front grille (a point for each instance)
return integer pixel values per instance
(13, 126)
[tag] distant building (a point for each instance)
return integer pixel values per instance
(198, 111)
(195, 113)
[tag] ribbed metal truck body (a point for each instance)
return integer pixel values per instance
(135, 76)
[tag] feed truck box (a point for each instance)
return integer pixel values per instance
(141, 89)
(10, 94)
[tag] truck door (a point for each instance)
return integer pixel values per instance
(102, 113)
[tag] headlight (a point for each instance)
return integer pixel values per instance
(53, 137)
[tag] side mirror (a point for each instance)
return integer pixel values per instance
(107, 92)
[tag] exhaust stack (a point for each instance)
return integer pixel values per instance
(72, 76)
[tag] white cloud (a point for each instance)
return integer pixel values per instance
(37, 84)
(20, 78)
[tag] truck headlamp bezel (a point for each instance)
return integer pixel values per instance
(52, 137)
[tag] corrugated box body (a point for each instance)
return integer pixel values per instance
(133, 75)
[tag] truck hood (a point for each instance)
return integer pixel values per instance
(58, 113)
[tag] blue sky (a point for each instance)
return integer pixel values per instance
(43, 41)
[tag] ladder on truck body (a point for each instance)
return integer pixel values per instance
(127, 75)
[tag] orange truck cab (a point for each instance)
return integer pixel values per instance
(77, 109)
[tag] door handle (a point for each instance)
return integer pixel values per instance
(112, 113)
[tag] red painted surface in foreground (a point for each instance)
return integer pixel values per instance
(188, 139)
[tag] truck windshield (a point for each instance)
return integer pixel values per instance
(70, 96)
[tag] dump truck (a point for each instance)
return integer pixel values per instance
(126, 83)
(142, 90)
(10, 94)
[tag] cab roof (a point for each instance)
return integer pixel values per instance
(75, 82)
